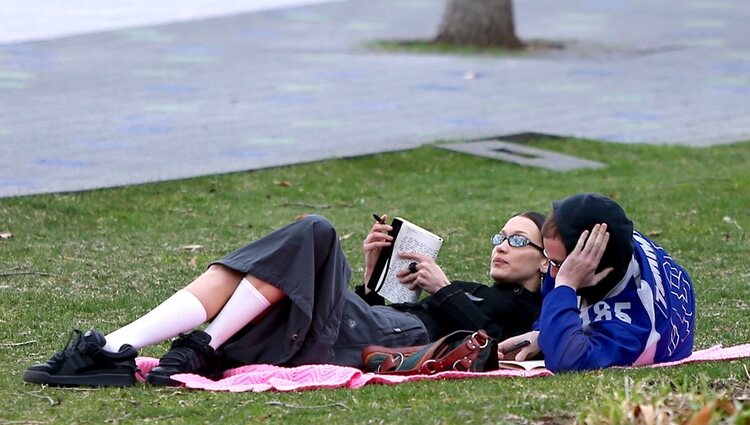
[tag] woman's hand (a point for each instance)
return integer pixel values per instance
(373, 244)
(429, 275)
(506, 350)
(579, 268)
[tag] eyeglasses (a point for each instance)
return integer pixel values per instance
(552, 262)
(516, 241)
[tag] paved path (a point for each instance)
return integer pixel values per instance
(284, 86)
(30, 20)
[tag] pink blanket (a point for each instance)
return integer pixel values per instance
(266, 377)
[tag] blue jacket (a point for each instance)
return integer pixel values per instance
(648, 317)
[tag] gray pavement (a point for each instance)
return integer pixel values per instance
(286, 86)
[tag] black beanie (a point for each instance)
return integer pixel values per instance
(582, 211)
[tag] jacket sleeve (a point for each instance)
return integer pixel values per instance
(548, 284)
(453, 303)
(567, 348)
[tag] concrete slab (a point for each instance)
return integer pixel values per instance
(526, 156)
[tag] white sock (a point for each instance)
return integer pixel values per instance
(245, 305)
(181, 312)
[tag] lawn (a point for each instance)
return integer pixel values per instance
(102, 258)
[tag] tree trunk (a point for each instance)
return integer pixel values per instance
(479, 23)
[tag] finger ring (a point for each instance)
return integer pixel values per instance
(412, 267)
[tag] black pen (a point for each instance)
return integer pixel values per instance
(517, 346)
(378, 219)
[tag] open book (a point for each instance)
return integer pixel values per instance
(407, 237)
(524, 365)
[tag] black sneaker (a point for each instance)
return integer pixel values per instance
(190, 353)
(84, 362)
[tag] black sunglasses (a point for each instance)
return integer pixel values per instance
(516, 241)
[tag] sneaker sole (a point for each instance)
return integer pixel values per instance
(162, 380)
(94, 380)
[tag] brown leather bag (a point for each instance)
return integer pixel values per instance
(459, 351)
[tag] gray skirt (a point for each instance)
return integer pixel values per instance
(320, 320)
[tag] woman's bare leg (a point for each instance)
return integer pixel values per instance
(250, 302)
(214, 288)
(270, 292)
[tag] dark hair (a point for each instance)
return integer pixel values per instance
(537, 218)
(549, 229)
(576, 213)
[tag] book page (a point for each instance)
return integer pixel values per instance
(524, 365)
(411, 238)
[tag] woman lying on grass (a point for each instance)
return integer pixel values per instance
(284, 299)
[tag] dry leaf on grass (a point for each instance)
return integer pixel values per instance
(647, 414)
(727, 406)
(6, 235)
(644, 413)
(191, 248)
(193, 262)
(345, 236)
(282, 183)
(730, 220)
(704, 415)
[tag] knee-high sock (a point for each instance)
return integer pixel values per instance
(181, 312)
(243, 306)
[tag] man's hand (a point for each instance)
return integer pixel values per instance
(579, 268)
(506, 351)
(429, 275)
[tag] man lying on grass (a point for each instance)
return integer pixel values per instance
(612, 297)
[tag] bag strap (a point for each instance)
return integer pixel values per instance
(460, 358)
(417, 356)
(455, 351)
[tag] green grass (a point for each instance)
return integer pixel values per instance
(102, 258)
(430, 46)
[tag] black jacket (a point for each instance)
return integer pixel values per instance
(502, 310)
